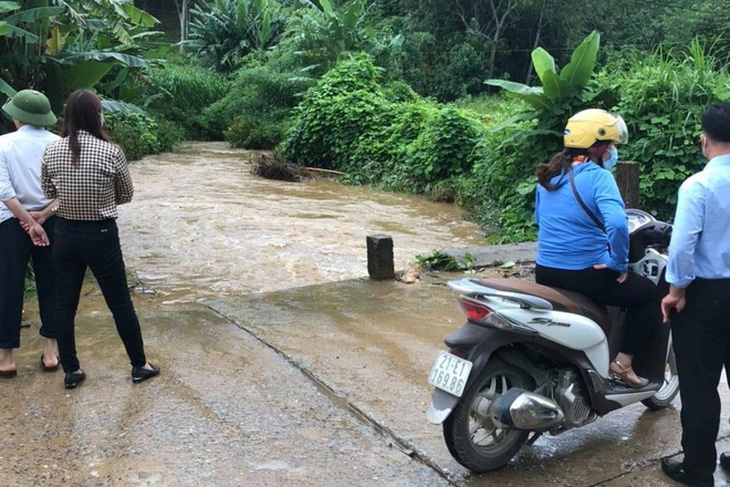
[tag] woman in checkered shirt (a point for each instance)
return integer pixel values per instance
(88, 176)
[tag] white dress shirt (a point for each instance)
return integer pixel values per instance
(21, 153)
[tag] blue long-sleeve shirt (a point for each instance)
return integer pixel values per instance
(567, 237)
(700, 245)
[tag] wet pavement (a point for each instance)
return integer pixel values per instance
(373, 344)
(281, 364)
(318, 385)
(227, 410)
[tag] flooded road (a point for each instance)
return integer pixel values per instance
(202, 226)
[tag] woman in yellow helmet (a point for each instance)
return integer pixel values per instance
(583, 237)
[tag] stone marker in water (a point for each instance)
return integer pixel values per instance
(380, 257)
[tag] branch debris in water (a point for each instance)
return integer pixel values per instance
(271, 168)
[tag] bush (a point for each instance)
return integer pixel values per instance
(257, 111)
(139, 135)
(181, 94)
(662, 101)
(248, 134)
(348, 122)
(346, 103)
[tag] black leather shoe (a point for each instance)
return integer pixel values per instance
(140, 374)
(674, 470)
(725, 460)
(72, 379)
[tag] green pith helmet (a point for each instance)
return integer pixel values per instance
(31, 107)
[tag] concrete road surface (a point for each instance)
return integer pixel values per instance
(322, 385)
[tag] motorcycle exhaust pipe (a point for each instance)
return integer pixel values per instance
(523, 410)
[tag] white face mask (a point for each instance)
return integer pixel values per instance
(101, 117)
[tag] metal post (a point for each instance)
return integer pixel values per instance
(380, 257)
(627, 178)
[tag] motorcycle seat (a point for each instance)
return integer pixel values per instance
(561, 299)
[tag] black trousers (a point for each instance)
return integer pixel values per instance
(16, 250)
(93, 244)
(638, 295)
(701, 334)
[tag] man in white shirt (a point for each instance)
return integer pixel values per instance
(23, 202)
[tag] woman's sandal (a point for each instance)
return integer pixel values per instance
(52, 368)
(622, 374)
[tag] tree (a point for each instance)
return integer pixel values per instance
(57, 46)
(488, 19)
(326, 34)
(224, 31)
(183, 14)
(561, 91)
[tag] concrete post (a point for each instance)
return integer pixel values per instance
(380, 257)
(627, 178)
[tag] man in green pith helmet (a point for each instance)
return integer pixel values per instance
(23, 202)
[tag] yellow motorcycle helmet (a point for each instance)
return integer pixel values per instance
(587, 127)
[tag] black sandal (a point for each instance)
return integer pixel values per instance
(52, 368)
(8, 374)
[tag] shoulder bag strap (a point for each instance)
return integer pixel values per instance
(582, 204)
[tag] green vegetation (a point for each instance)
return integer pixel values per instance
(224, 31)
(139, 135)
(181, 94)
(454, 99)
(58, 47)
(257, 110)
(662, 99)
(440, 261)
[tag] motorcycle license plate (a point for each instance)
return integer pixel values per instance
(449, 373)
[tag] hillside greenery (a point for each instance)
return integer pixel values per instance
(455, 99)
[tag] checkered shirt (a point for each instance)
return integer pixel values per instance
(93, 189)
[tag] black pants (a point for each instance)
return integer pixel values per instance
(638, 295)
(94, 244)
(16, 250)
(701, 334)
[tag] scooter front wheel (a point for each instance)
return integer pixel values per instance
(471, 436)
(669, 389)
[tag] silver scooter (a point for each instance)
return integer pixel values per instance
(533, 359)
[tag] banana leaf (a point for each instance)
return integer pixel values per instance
(582, 61)
(85, 74)
(6, 7)
(137, 16)
(8, 30)
(512, 87)
(555, 88)
(103, 56)
(6, 89)
(326, 7)
(543, 62)
(116, 106)
(530, 94)
(33, 14)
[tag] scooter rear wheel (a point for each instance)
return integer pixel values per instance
(473, 440)
(666, 394)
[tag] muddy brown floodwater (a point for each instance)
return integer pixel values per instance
(202, 226)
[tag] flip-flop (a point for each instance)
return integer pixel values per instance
(47, 368)
(8, 374)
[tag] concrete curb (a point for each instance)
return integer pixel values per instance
(495, 254)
